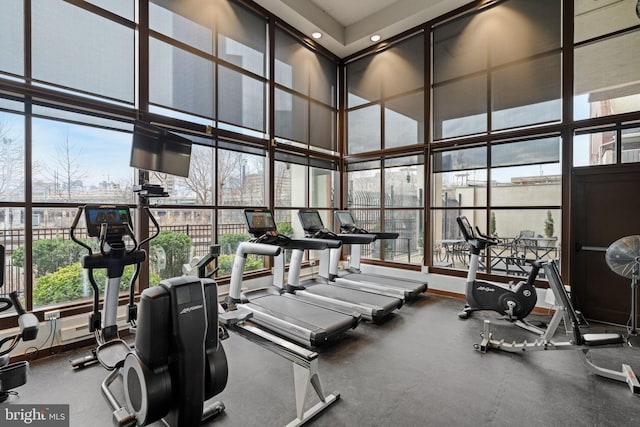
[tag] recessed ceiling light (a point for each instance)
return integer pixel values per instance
(316, 35)
(375, 38)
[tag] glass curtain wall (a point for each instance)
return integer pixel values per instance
(12, 193)
(386, 112)
(303, 183)
(498, 71)
(399, 208)
(305, 95)
(523, 181)
(504, 62)
(480, 101)
(606, 82)
(201, 71)
(305, 117)
(74, 158)
(495, 70)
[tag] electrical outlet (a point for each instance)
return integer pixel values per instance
(52, 315)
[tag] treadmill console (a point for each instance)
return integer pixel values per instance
(262, 227)
(311, 221)
(116, 219)
(347, 223)
(260, 221)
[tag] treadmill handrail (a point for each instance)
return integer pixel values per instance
(384, 235)
(346, 239)
(244, 249)
(356, 239)
(251, 248)
(274, 238)
(313, 244)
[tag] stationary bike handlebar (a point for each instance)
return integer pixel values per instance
(490, 241)
(28, 323)
(475, 238)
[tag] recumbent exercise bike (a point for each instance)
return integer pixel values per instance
(177, 362)
(514, 301)
(14, 375)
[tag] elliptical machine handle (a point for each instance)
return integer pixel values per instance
(16, 303)
(155, 224)
(72, 230)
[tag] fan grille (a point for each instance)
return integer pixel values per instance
(623, 256)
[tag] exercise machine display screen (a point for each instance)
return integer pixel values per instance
(117, 218)
(310, 220)
(188, 293)
(466, 228)
(345, 219)
(259, 221)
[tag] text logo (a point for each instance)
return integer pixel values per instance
(190, 309)
(35, 415)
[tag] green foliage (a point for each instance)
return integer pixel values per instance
(492, 224)
(176, 247)
(66, 284)
(229, 242)
(63, 285)
(285, 228)
(548, 225)
(225, 264)
(50, 254)
(59, 275)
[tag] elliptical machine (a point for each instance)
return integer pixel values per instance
(15, 374)
(177, 362)
(515, 302)
(109, 224)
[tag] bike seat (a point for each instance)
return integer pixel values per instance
(538, 262)
(12, 376)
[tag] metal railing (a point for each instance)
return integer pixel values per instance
(403, 249)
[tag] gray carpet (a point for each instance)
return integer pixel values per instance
(417, 369)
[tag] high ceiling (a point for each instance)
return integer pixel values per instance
(346, 25)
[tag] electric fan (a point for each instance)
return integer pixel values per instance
(623, 258)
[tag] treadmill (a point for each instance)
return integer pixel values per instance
(410, 289)
(318, 290)
(304, 323)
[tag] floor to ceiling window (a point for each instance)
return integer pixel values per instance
(385, 113)
(477, 114)
(606, 82)
(199, 69)
(497, 70)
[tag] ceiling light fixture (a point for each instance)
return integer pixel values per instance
(375, 38)
(316, 35)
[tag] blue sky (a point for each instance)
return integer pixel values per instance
(103, 154)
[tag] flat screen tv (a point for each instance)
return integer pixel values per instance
(156, 149)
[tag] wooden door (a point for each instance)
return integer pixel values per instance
(605, 206)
